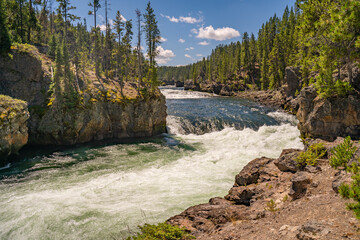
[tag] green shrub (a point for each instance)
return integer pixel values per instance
(272, 206)
(162, 231)
(311, 156)
(341, 154)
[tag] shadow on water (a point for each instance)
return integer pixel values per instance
(38, 158)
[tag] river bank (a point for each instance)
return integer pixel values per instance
(276, 199)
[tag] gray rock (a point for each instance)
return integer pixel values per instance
(299, 184)
(242, 195)
(251, 172)
(292, 79)
(328, 118)
(286, 162)
(312, 230)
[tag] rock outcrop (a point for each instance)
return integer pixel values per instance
(101, 110)
(293, 81)
(328, 118)
(272, 199)
(98, 121)
(13, 126)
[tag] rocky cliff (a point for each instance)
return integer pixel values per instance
(102, 109)
(99, 120)
(328, 118)
(13, 128)
(277, 199)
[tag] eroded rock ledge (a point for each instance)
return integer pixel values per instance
(275, 199)
(328, 118)
(13, 128)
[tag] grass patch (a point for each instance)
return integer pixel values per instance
(162, 231)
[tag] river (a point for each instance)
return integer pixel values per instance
(104, 191)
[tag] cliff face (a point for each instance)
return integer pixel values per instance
(99, 121)
(99, 112)
(13, 129)
(328, 118)
(25, 76)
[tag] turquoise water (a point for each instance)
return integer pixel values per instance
(104, 191)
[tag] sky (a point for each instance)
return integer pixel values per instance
(190, 29)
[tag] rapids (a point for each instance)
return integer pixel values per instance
(104, 191)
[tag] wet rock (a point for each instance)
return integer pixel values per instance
(251, 172)
(189, 85)
(328, 118)
(286, 162)
(299, 185)
(179, 84)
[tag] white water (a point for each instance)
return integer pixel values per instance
(124, 185)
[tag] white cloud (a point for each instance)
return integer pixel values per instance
(204, 43)
(171, 19)
(163, 39)
(188, 56)
(183, 19)
(190, 20)
(194, 31)
(164, 56)
(199, 55)
(219, 34)
(189, 48)
(181, 40)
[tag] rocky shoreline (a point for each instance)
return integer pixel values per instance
(276, 199)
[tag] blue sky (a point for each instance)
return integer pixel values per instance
(192, 28)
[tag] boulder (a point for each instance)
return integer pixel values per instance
(299, 185)
(242, 195)
(179, 84)
(292, 79)
(312, 230)
(286, 162)
(251, 172)
(328, 118)
(189, 85)
(13, 126)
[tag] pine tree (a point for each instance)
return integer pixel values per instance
(152, 39)
(139, 53)
(5, 42)
(95, 5)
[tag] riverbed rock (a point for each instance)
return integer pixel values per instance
(179, 84)
(13, 126)
(328, 118)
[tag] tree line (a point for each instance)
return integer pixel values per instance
(318, 36)
(77, 48)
